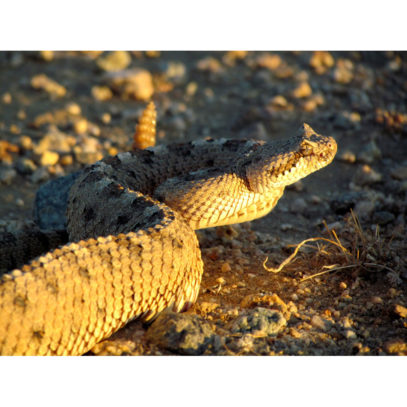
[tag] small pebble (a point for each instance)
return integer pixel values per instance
(342, 122)
(26, 142)
(370, 153)
(279, 101)
(7, 98)
(39, 175)
(320, 323)
(101, 93)
(73, 109)
(66, 160)
(343, 72)
(177, 123)
(153, 54)
(346, 323)
(366, 175)
(393, 292)
(132, 83)
(80, 126)
(295, 333)
(209, 94)
(49, 158)
(114, 61)
(297, 186)
(225, 268)
(364, 208)
(269, 61)
(221, 280)
(354, 117)
(106, 118)
(399, 173)
(302, 76)
(93, 129)
(21, 114)
(16, 58)
(231, 57)
(366, 333)
(25, 166)
(303, 90)
(284, 227)
(7, 174)
(47, 55)
(321, 61)
(113, 151)
(349, 334)
(207, 307)
(299, 206)
(284, 71)
(42, 82)
(376, 300)
(56, 141)
(400, 310)
(395, 64)
(191, 88)
(310, 105)
(85, 157)
(14, 129)
(343, 285)
(176, 71)
(315, 199)
(209, 64)
(348, 157)
(396, 346)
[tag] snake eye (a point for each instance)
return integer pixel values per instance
(306, 149)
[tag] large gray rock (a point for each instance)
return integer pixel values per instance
(183, 334)
(261, 322)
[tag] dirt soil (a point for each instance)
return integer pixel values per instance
(60, 111)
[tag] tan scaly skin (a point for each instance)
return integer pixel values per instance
(133, 250)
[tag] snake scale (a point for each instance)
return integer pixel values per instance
(133, 251)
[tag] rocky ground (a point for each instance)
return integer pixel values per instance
(62, 110)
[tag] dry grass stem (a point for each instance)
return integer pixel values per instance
(358, 249)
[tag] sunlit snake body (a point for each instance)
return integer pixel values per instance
(133, 251)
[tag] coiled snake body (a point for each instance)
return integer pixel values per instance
(133, 251)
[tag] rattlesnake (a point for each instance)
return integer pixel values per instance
(133, 251)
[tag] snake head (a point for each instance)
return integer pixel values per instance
(279, 164)
(320, 149)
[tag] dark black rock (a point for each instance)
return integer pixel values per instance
(345, 202)
(51, 201)
(383, 217)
